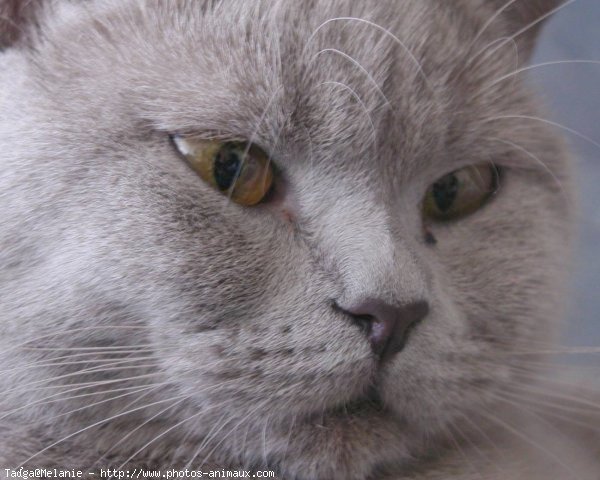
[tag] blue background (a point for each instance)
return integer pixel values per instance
(573, 94)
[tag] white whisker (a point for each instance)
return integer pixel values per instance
(543, 120)
(96, 424)
(532, 24)
(528, 440)
(538, 161)
(357, 64)
(540, 65)
(359, 100)
(491, 20)
(381, 29)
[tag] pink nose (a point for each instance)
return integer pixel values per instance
(386, 326)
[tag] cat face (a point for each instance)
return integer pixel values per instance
(257, 325)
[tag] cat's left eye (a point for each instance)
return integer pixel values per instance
(461, 192)
(240, 170)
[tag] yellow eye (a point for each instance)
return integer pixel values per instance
(238, 169)
(461, 193)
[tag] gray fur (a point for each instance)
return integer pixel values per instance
(108, 239)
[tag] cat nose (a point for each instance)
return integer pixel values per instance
(386, 326)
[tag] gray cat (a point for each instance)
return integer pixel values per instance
(325, 238)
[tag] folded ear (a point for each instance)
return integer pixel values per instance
(17, 19)
(527, 17)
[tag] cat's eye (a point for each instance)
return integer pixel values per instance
(461, 192)
(238, 169)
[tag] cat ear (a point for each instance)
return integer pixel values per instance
(17, 19)
(526, 18)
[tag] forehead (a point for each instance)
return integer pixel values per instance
(332, 74)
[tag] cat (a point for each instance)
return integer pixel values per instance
(324, 238)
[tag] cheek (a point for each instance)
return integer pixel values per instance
(214, 257)
(435, 366)
(496, 290)
(244, 314)
(294, 363)
(500, 265)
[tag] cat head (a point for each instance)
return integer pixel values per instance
(406, 241)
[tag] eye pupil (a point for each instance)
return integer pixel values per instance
(461, 192)
(240, 170)
(227, 165)
(445, 191)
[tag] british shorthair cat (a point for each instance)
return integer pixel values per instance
(325, 238)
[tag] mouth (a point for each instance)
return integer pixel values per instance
(367, 405)
(370, 402)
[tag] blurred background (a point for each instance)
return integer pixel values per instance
(572, 91)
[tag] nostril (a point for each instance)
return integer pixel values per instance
(386, 326)
(364, 322)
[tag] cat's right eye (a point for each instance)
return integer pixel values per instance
(238, 169)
